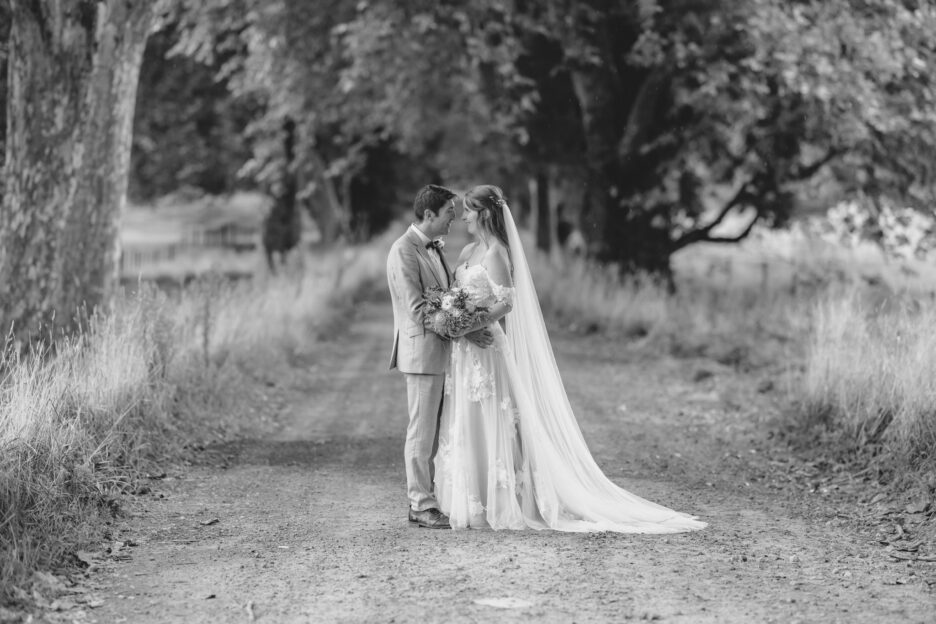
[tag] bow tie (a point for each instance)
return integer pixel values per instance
(435, 244)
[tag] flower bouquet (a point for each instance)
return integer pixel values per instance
(449, 312)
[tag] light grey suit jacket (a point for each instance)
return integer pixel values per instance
(409, 272)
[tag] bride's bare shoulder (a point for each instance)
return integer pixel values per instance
(497, 252)
(497, 262)
(466, 251)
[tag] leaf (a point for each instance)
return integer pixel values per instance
(210, 522)
(85, 557)
(920, 506)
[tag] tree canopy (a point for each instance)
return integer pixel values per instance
(665, 116)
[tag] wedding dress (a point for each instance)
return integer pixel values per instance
(511, 454)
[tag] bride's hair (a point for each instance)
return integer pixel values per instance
(488, 201)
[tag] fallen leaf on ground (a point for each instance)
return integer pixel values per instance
(62, 605)
(210, 522)
(919, 506)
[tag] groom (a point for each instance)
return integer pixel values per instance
(415, 263)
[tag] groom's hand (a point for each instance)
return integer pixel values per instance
(481, 338)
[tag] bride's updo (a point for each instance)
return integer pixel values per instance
(488, 201)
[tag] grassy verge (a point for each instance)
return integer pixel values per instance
(743, 325)
(871, 377)
(855, 338)
(80, 426)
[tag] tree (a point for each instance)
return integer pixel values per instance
(188, 130)
(692, 110)
(73, 69)
(383, 94)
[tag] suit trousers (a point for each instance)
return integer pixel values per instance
(424, 393)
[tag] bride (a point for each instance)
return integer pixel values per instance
(511, 455)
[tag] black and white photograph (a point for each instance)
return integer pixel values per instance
(467, 311)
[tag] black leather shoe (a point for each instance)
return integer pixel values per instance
(429, 519)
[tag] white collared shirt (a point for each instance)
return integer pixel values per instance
(434, 257)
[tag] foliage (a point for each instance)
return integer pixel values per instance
(188, 130)
(380, 92)
(667, 117)
(900, 232)
(689, 111)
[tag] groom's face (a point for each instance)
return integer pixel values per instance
(442, 223)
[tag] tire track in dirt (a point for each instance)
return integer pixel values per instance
(311, 521)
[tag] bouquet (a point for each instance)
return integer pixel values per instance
(449, 312)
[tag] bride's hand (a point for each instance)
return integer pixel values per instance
(482, 338)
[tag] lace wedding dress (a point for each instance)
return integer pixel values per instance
(511, 454)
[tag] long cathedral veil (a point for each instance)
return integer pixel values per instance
(572, 493)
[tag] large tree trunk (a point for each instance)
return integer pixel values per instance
(615, 224)
(73, 71)
(601, 127)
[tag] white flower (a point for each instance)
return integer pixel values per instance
(475, 508)
(447, 302)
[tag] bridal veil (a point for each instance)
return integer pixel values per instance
(571, 491)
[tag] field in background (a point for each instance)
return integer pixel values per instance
(191, 234)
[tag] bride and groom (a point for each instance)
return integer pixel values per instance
(492, 440)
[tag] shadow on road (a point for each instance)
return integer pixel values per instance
(350, 453)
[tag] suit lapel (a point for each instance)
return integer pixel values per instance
(422, 251)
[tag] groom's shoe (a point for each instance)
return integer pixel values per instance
(429, 519)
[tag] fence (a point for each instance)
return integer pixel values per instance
(134, 258)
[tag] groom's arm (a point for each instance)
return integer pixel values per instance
(404, 278)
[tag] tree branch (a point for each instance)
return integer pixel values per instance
(703, 234)
(739, 237)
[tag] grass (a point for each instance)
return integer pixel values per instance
(854, 329)
(80, 425)
(745, 324)
(871, 376)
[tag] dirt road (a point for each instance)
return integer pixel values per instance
(309, 524)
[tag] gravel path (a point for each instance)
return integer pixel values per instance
(309, 524)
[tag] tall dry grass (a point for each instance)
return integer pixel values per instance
(871, 375)
(733, 321)
(81, 423)
(854, 329)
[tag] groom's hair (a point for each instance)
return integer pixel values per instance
(431, 197)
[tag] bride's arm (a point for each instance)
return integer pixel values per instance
(498, 268)
(497, 264)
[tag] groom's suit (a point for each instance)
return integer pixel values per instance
(420, 355)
